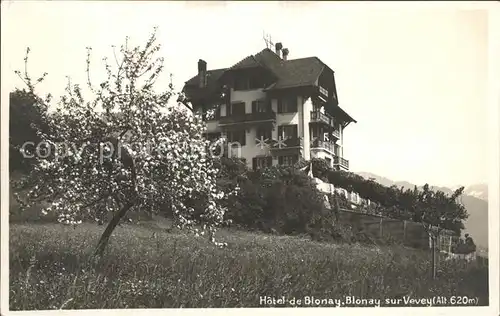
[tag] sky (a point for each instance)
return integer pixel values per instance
(414, 77)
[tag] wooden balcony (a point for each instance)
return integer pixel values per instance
(248, 118)
(341, 162)
(323, 118)
(292, 142)
(289, 146)
(336, 133)
(321, 144)
(318, 117)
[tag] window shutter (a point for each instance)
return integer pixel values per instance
(295, 132)
(243, 138)
(254, 106)
(269, 105)
(254, 163)
(280, 132)
(280, 106)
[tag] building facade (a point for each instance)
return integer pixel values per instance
(271, 109)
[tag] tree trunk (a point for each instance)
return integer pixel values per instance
(433, 249)
(103, 241)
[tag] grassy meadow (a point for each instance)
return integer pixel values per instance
(146, 266)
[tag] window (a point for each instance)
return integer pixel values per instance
(247, 83)
(254, 84)
(262, 162)
(287, 105)
(237, 109)
(237, 136)
(336, 150)
(314, 133)
(260, 106)
(288, 160)
(263, 133)
(287, 131)
(241, 83)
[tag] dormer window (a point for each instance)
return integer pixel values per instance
(253, 84)
(245, 83)
(241, 83)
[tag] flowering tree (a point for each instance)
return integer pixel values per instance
(125, 150)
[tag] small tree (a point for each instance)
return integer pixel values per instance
(25, 120)
(125, 150)
(438, 212)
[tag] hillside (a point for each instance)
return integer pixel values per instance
(148, 267)
(474, 199)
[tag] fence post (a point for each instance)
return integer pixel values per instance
(380, 227)
(404, 231)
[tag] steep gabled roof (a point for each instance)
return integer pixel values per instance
(247, 62)
(290, 73)
(193, 90)
(339, 112)
(212, 77)
(297, 72)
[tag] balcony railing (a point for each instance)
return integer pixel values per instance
(344, 163)
(291, 142)
(318, 117)
(247, 118)
(317, 143)
(336, 133)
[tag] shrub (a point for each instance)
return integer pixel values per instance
(279, 199)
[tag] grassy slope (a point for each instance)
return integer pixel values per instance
(142, 270)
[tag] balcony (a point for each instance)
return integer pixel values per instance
(341, 162)
(323, 118)
(287, 146)
(247, 118)
(286, 143)
(318, 117)
(321, 144)
(336, 133)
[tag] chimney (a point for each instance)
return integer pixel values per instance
(285, 53)
(202, 73)
(278, 48)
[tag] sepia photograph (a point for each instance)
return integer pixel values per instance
(207, 155)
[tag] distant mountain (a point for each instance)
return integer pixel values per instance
(478, 190)
(475, 200)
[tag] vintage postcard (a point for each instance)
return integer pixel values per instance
(187, 157)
